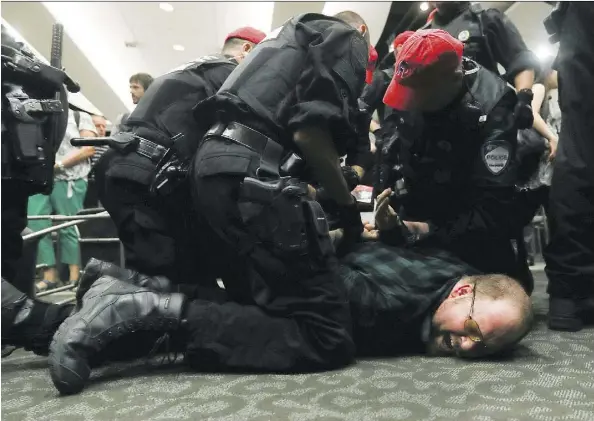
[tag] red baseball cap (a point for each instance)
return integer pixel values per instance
(373, 56)
(247, 33)
(401, 39)
(425, 54)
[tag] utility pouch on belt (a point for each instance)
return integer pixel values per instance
(273, 210)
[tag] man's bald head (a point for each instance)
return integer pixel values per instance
(500, 308)
(356, 21)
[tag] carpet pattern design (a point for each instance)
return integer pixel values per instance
(549, 378)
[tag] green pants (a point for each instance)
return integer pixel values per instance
(66, 199)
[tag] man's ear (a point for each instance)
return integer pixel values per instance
(247, 47)
(461, 290)
(363, 30)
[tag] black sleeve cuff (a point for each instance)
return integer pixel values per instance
(525, 60)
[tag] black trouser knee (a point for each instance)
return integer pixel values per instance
(287, 313)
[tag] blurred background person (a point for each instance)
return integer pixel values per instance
(139, 83)
(538, 147)
(70, 187)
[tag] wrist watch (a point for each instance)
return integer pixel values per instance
(60, 165)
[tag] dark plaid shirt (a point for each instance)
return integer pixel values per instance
(394, 292)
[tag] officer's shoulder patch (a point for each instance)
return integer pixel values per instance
(496, 156)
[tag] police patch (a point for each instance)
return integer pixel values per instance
(496, 156)
(463, 36)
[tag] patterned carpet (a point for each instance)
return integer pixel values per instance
(549, 378)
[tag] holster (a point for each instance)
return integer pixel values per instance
(281, 215)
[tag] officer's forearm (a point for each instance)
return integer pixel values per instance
(321, 156)
(524, 80)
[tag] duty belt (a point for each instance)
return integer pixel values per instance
(144, 147)
(270, 152)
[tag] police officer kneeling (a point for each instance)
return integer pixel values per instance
(451, 157)
(143, 185)
(297, 92)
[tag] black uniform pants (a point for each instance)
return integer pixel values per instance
(570, 254)
(158, 233)
(287, 313)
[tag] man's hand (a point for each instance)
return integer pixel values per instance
(553, 143)
(417, 229)
(386, 217)
(369, 232)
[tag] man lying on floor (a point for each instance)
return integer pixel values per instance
(401, 299)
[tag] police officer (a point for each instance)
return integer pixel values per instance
(34, 118)
(490, 38)
(33, 124)
(454, 173)
(143, 186)
(570, 254)
(297, 92)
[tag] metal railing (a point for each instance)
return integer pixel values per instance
(68, 221)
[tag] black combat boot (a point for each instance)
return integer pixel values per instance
(29, 323)
(570, 314)
(111, 310)
(95, 269)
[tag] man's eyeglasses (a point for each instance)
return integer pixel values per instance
(471, 327)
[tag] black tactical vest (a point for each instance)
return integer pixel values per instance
(166, 107)
(436, 156)
(468, 28)
(265, 81)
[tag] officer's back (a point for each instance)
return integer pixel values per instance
(286, 82)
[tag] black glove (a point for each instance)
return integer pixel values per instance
(351, 177)
(523, 109)
(351, 224)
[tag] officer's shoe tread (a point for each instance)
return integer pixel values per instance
(110, 309)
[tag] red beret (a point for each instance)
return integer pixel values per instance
(425, 49)
(248, 34)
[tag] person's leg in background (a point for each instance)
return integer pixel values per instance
(67, 199)
(40, 204)
(570, 254)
